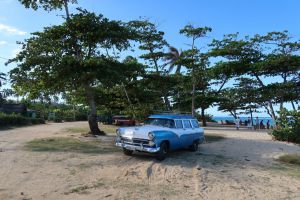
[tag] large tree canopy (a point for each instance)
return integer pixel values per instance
(71, 56)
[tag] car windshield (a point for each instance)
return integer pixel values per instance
(160, 122)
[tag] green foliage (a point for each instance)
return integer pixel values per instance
(288, 126)
(17, 120)
(77, 59)
(275, 54)
(47, 5)
(208, 117)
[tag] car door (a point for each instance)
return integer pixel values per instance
(197, 131)
(187, 136)
(179, 131)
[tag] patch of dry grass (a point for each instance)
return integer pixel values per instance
(108, 129)
(290, 159)
(62, 144)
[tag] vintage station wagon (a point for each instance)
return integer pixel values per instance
(160, 134)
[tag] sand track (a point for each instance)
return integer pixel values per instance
(239, 167)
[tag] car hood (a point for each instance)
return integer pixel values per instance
(140, 131)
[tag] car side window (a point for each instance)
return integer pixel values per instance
(187, 124)
(195, 123)
(178, 124)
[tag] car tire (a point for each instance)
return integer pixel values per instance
(163, 151)
(194, 146)
(127, 152)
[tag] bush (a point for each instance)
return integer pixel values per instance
(17, 120)
(288, 126)
(37, 121)
(208, 117)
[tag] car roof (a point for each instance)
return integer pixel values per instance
(171, 116)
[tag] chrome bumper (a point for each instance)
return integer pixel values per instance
(137, 148)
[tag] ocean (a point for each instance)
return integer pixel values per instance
(230, 118)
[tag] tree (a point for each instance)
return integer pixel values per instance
(173, 60)
(258, 58)
(282, 61)
(152, 42)
(194, 33)
(49, 5)
(75, 60)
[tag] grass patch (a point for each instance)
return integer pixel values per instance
(61, 144)
(293, 159)
(214, 138)
(286, 169)
(108, 129)
(77, 130)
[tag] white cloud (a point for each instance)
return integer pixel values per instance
(11, 30)
(2, 42)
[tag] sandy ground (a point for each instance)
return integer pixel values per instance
(242, 166)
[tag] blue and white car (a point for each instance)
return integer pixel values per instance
(160, 134)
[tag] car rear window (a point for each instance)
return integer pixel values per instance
(178, 124)
(187, 124)
(195, 123)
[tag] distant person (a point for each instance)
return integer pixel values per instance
(237, 123)
(261, 125)
(246, 122)
(268, 124)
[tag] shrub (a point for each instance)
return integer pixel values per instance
(288, 126)
(37, 121)
(17, 120)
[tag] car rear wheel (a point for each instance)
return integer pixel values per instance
(163, 151)
(194, 146)
(127, 152)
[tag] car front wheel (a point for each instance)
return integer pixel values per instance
(163, 151)
(194, 146)
(127, 152)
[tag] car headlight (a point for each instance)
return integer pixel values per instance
(151, 136)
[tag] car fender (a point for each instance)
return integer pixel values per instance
(169, 136)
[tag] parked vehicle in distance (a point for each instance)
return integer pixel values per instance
(122, 120)
(160, 134)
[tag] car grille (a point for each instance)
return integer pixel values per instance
(135, 141)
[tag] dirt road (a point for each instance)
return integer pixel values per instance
(242, 166)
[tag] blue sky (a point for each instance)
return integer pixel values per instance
(247, 17)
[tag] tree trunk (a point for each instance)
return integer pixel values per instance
(233, 113)
(293, 105)
(269, 102)
(193, 98)
(128, 99)
(167, 103)
(193, 81)
(67, 9)
(203, 117)
(251, 117)
(93, 115)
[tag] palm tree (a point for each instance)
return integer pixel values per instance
(172, 59)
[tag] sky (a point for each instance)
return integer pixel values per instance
(248, 17)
